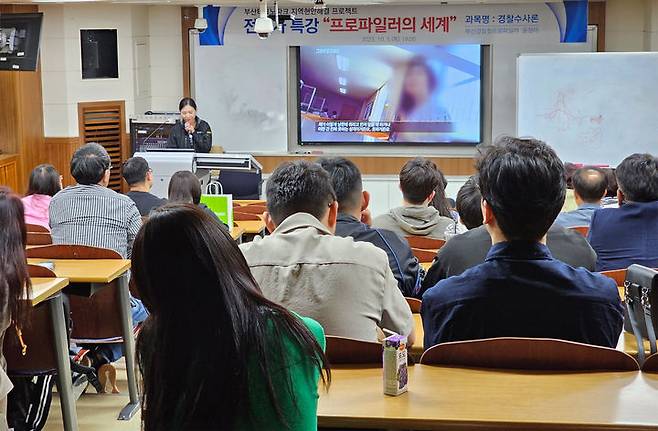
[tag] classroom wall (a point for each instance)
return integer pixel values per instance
(631, 25)
(150, 71)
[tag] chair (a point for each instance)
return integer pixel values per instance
(425, 243)
(34, 238)
(414, 304)
(424, 256)
(67, 251)
(619, 275)
(240, 216)
(529, 354)
(36, 228)
(651, 364)
(583, 230)
(251, 209)
(341, 350)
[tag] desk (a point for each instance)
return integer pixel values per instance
(242, 202)
(236, 233)
(100, 272)
(47, 290)
(253, 227)
(442, 398)
(426, 265)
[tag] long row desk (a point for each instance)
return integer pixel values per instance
(443, 398)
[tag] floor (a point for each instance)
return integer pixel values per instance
(98, 412)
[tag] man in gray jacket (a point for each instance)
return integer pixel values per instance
(418, 180)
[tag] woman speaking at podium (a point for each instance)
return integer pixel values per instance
(191, 132)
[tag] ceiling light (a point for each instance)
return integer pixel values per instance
(342, 90)
(342, 80)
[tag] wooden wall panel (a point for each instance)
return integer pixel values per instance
(9, 171)
(188, 15)
(60, 151)
(379, 165)
(597, 18)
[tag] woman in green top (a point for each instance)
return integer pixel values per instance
(214, 353)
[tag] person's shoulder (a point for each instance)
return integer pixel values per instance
(316, 329)
(593, 284)
(449, 290)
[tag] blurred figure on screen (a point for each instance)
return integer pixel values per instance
(417, 101)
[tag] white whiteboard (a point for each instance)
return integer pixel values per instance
(242, 92)
(593, 108)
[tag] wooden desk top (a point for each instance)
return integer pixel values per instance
(249, 202)
(251, 226)
(425, 265)
(44, 288)
(87, 270)
(452, 398)
(236, 232)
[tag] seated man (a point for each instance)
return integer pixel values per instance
(589, 187)
(418, 180)
(354, 219)
(89, 213)
(345, 285)
(629, 234)
(521, 290)
(139, 177)
(468, 204)
(470, 248)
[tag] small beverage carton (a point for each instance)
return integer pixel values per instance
(395, 365)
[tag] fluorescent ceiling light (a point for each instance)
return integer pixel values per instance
(343, 63)
(342, 80)
(342, 90)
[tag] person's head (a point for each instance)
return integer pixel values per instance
(44, 180)
(14, 278)
(440, 201)
(184, 187)
(611, 180)
(346, 181)
(91, 164)
(469, 204)
(590, 185)
(419, 179)
(136, 172)
(419, 83)
(637, 177)
(523, 188)
(300, 187)
(187, 108)
(569, 170)
(205, 307)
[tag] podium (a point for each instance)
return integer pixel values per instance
(240, 174)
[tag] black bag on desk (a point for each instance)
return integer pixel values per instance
(641, 292)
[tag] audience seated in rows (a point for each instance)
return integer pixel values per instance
(629, 234)
(590, 186)
(345, 285)
(354, 221)
(14, 281)
(521, 290)
(139, 177)
(44, 183)
(89, 213)
(215, 353)
(185, 187)
(468, 204)
(419, 179)
(471, 248)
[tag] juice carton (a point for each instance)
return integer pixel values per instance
(395, 365)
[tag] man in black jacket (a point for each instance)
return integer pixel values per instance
(354, 220)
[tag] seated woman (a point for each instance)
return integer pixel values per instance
(44, 183)
(214, 353)
(14, 279)
(185, 188)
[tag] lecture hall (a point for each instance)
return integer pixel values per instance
(328, 215)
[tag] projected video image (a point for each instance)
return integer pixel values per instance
(390, 94)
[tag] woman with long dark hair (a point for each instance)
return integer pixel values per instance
(214, 353)
(44, 183)
(190, 132)
(14, 278)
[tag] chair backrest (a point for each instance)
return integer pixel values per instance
(240, 216)
(36, 228)
(40, 355)
(529, 354)
(67, 251)
(34, 238)
(651, 364)
(251, 209)
(619, 275)
(425, 243)
(341, 350)
(414, 304)
(583, 230)
(424, 256)
(40, 271)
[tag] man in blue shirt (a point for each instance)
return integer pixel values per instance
(590, 185)
(521, 290)
(354, 220)
(629, 234)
